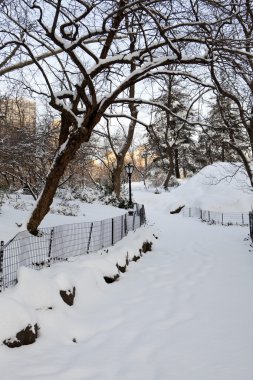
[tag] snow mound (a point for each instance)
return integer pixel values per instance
(14, 317)
(222, 186)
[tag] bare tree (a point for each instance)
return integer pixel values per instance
(231, 69)
(82, 80)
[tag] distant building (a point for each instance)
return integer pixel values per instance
(17, 113)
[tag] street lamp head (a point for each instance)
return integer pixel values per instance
(129, 169)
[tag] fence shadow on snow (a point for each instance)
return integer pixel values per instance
(58, 243)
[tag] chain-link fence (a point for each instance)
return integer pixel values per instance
(215, 217)
(58, 243)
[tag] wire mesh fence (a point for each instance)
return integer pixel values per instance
(215, 217)
(59, 243)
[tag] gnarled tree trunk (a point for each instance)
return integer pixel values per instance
(52, 181)
(68, 146)
(171, 169)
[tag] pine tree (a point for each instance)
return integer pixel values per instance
(170, 137)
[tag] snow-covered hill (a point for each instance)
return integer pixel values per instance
(218, 187)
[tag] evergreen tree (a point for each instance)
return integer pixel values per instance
(170, 136)
(217, 142)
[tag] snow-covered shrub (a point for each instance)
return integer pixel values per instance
(65, 208)
(173, 182)
(87, 194)
(103, 195)
(113, 200)
(66, 194)
(156, 176)
(19, 203)
(23, 206)
(90, 195)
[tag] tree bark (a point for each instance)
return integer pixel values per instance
(120, 157)
(52, 181)
(116, 176)
(245, 162)
(64, 154)
(171, 170)
(177, 172)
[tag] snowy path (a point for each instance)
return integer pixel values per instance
(183, 312)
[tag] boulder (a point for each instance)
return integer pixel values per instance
(147, 246)
(24, 337)
(68, 296)
(111, 279)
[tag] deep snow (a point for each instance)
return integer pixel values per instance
(222, 187)
(182, 312)
(12, 220)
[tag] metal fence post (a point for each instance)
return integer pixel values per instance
(201, 214)
(1, 265)
(143, 214)
(88, 245)
(242, 220)
(112, 232)
(101, 235)
(222, 218)
(134, 220)
(125, 225)
(209, 216)
(50, 245)
(122, 226)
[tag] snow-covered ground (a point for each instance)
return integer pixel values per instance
(182, 312)
(14, 220)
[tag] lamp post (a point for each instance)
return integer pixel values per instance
(129, 170)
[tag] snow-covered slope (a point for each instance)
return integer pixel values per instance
(183, 311)
(14, 219)
(218, 187)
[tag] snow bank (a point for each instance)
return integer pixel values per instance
(219, 187)
(36, 297)
(181, 312)
(15, 316)
(43, 292)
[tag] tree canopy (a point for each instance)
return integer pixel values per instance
(92, 60)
